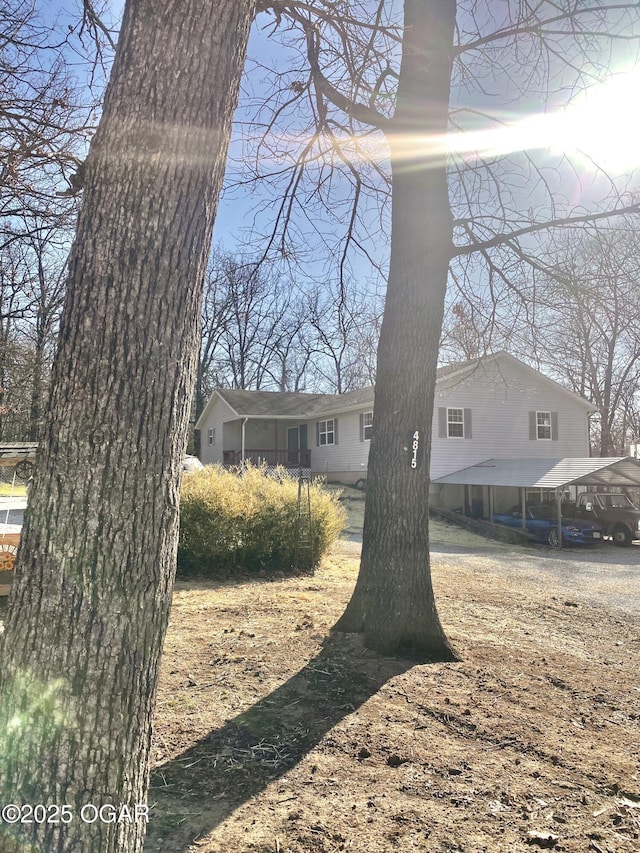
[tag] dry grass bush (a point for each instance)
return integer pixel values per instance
(248, 521)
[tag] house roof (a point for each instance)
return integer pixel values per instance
(289, 404)
(548, 473)
(465, 369)
(271, 403)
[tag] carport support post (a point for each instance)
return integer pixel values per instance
(490, 503)
(523, 507)
(559, 508)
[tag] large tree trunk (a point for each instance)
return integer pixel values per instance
(393, 602)
(92, 591)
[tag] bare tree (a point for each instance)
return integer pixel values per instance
(45, 122)
(15, 305)
(257, 306)
(98, 552)
(47, 258)
(462, 338)
(215, 315)
(260, 330)
(293, 349)
(248, 317)
(354, 95)
(92, 589)
(393, 604)
(344, 329)
(31, 290)
(586, 330)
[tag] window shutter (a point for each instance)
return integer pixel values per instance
(335, 430)
(533, 431)
(554, 426)
(361, 427)
(317, 433)
(467, 423)
(442, 422)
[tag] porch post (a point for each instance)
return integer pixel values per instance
(559, 508)
(523, 507)
(244, 422)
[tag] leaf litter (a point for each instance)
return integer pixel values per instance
(272, 734)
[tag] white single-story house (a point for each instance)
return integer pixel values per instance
(494, 407)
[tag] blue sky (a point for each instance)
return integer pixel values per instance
(575, 184)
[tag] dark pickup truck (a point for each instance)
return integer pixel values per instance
(619, 518)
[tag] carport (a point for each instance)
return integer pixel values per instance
(550, 474)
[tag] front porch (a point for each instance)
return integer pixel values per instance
(271, 442)
(271, 458)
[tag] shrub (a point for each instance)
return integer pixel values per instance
(248, 520)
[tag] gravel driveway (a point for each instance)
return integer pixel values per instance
(603, 576)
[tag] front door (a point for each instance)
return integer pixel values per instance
(297, 442)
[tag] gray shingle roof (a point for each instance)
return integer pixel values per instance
(290, 404)
(446, 369)
(286, 404)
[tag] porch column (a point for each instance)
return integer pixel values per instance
(559, 516)
(244, 422)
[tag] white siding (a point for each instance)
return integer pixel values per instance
(259, 435)
(348, 455)
(219, 412)
(499, 394)
(232, 435)
(500, 397)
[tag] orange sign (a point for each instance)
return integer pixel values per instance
(8, 550)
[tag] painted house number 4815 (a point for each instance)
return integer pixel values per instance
(415, 445)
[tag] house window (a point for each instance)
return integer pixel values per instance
(543, 425)
(367, 426)
(326, 432)
(211, 435)
(455, 423)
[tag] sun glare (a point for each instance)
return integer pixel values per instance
(602, 125)
(599, 128)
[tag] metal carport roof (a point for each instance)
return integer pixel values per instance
(548, 473)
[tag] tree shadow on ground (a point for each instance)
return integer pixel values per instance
(195, 792)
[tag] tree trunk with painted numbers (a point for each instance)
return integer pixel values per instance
(393, 603)
(92, 590)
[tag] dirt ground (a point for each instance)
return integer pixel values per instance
(273, 735)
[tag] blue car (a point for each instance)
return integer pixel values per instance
(542, 524)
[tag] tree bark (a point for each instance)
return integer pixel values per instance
(393, 603)
(92, 588)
